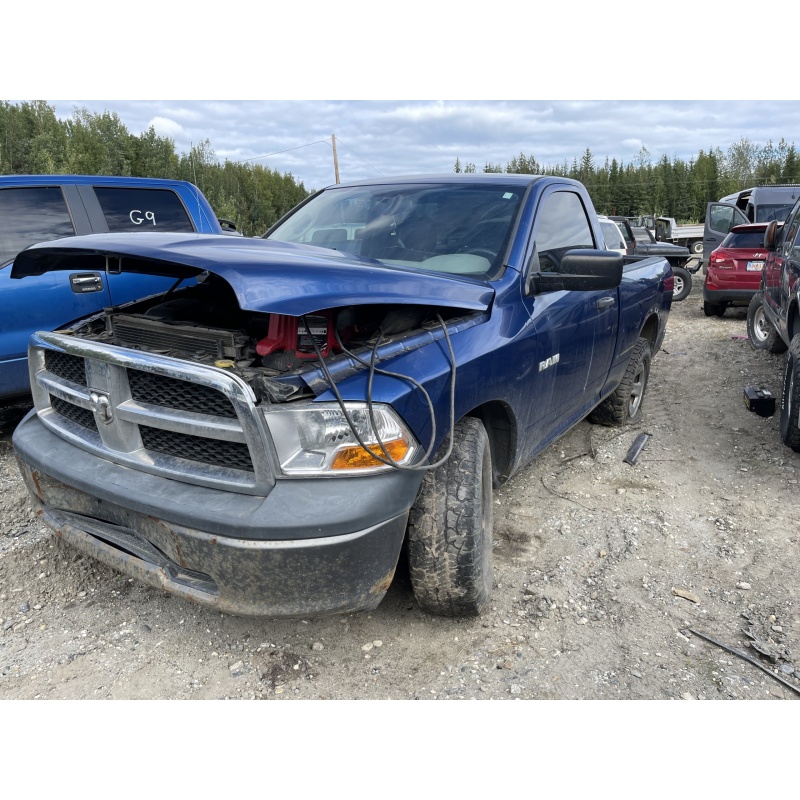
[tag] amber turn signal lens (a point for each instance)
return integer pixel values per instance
(358, 458)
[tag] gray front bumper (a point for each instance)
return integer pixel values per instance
(310, 547)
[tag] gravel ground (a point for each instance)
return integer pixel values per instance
(605, 575)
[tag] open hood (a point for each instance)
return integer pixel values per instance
(266, 276)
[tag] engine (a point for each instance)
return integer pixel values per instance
(204, 324)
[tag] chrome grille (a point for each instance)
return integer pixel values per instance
(161, 390)
(185, 421)
(71, 368)
(77, 414)
(195, 448)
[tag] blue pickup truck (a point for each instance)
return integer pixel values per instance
(266, 440)
(37, 208)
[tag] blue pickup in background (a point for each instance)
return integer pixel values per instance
(39, 208)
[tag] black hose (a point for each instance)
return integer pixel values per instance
(387, 459)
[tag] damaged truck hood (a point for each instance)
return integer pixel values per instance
(266, 276)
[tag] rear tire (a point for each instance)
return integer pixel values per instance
(683, 283)
(790, 397)
(697, 248)
(761, 333)
(625, 404)
(450, 528)
(714, 309)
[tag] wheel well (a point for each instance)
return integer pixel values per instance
(502, 430)
(650, 329)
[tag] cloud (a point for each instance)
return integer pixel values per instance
(383, 137)
(166, 127)
(634, 144)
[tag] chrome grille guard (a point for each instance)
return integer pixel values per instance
(118, 415)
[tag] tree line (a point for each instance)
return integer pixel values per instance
(33, 141)
(669, 187)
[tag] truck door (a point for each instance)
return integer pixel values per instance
(720, 218)
(575, 331)
(31, 214)
(663, 230)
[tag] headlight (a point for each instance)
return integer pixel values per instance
(316, 439)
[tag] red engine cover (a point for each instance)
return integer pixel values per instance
(289, 334)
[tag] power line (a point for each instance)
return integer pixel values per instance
(364, 160)
(278, 152)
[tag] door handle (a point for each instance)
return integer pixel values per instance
(605, 302)
(84, 282)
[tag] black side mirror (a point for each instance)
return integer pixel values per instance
(227, 225)
(580, 270)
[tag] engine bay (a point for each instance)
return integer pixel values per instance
(204, 323)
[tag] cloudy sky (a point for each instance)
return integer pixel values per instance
(380, 137)
(404, 79)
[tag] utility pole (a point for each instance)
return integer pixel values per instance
(335, 158)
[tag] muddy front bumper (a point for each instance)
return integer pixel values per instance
(311, 547)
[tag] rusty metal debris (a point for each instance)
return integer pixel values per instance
(747, 658)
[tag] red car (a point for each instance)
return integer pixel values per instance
(733, 273)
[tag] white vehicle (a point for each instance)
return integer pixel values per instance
(612, 235)
(691, 236)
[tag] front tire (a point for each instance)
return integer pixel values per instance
(625, 404)
(450, 528)
(790, 397)
(761, 333)
(683, 283)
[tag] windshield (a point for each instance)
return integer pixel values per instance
(767, 213)
(456, 228)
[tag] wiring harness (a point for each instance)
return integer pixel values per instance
(386, 458)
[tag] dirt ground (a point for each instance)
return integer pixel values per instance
(606, 574)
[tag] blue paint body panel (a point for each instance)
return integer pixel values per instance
(269, 277)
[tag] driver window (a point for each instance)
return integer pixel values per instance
(562, 226)
(723, 218)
